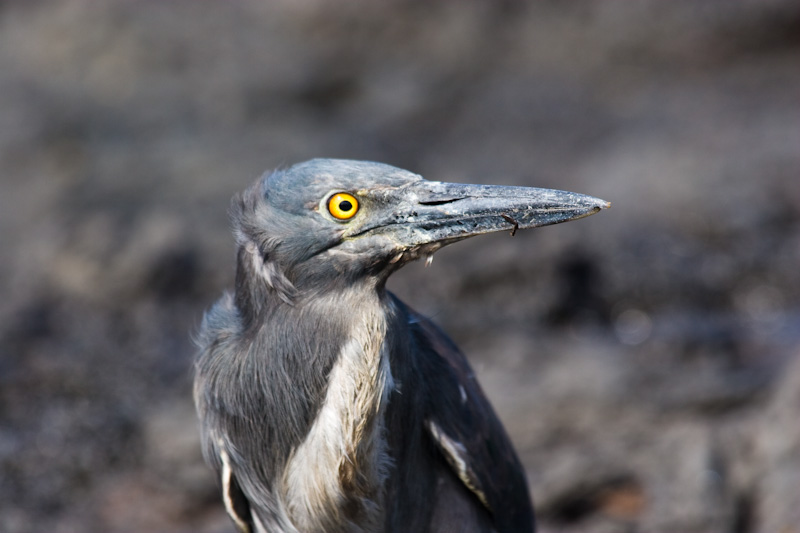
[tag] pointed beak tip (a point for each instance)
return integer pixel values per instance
(593, 206)
(599, 204)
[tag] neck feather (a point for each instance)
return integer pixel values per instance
(313, 382)
(335, 477)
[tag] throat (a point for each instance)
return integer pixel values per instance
(334, 479)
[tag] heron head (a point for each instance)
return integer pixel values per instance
(328, 222)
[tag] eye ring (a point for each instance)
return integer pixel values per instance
(343, 206)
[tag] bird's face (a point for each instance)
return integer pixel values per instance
(327, 220)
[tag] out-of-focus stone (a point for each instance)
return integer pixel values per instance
(777, 452)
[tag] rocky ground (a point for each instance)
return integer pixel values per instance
(646, 360)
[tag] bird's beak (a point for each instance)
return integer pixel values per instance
(427, 212)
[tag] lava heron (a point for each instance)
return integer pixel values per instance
(326, 403)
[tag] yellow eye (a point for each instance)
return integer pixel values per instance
(343, 206)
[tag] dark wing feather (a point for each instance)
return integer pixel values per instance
(236, 503)
(467, 431)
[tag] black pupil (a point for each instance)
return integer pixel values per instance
(345, 205)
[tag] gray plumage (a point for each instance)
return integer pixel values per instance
(326, 403)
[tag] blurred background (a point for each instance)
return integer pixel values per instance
(646, 360)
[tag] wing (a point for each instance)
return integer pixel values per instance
(467, 431)
(218, 326)
(235, 501)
